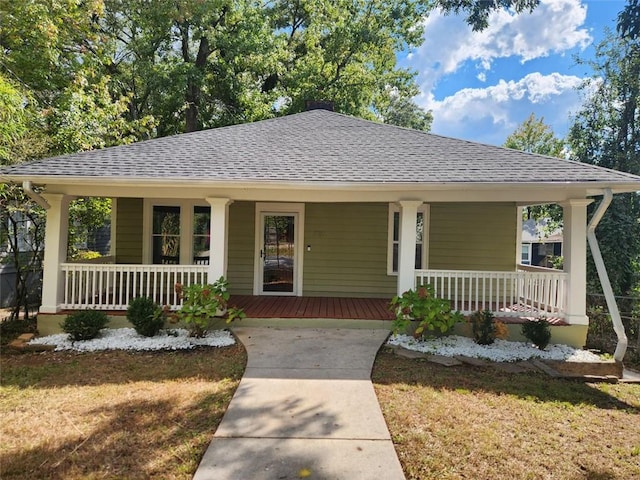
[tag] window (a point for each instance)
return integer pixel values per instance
(545, 249)
(178, 233)
(166, 235)
(201, 229)
(526, 254)
(422, 238)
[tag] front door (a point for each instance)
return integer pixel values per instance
(278, 252)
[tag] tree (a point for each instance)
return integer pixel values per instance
(22, 235)
(403, 112)
(606, 132)
(478, 10)
(195, 64)
(534, 136)
(53, 100)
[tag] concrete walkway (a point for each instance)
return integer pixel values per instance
(305, 408)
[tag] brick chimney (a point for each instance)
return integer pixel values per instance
(319, 105)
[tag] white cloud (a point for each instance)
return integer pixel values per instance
(552, 28)
(499, 109)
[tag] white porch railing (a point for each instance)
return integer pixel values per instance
(528, 293)
(111, 287)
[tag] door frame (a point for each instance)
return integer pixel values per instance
(297, 211)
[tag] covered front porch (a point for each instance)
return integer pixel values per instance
(527, 292)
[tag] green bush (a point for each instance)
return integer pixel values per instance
(485, 328)
(432, 314)
(538, 332)
(85, 324)
(203, 302)
(146, 316)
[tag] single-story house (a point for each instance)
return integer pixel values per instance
(540, 246)
(319, 204)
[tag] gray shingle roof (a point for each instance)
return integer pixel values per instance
(316, 146)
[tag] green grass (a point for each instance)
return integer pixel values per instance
(480, 423)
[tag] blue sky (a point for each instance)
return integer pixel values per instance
(481, 86)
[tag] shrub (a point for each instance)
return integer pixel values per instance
(431, 313)
(146, 316)
(538, 332)
(203, 302)
(485, 328)
(85, 324)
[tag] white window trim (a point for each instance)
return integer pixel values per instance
(186, 226)
(527, 244)
(425, 209)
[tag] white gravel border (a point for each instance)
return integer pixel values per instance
(500, 351)
(128, 339)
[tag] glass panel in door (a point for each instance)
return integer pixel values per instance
(278, 253)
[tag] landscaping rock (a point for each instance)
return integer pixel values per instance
(578, 369)
(519, 367)
(630, 376)
(16, 344)
(442, 360)
(403, 352)
(546, 368)
(21, 344)
(476, 362)
(37, 348)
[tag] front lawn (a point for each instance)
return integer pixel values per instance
(113, 414)
(480, 423)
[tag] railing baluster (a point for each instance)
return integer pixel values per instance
(527, 292)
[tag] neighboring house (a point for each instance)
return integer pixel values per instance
(7, 266)
(539, 247)
(319, 204)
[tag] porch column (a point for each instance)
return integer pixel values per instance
(575, 259)
(56, 235)
(407, 244)
(218, 237)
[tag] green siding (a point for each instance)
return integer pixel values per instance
(348, 254)
(129, 214)
(241, 247)
(473, 236)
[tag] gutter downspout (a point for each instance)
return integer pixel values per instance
(36, 197)
(618, 327)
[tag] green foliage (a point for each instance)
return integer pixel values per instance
(83, 255)
(86, 215)
(432, 314)
(403, 112)
(84, 324)
(87, 117)
(146, 316)
(606, 132)
(478, 11)
(485, 328)
(537, 331)
(534, 136)
(22, 231)
(201, 303)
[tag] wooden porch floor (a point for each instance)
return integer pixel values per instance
(313, 307)
(346, 308)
